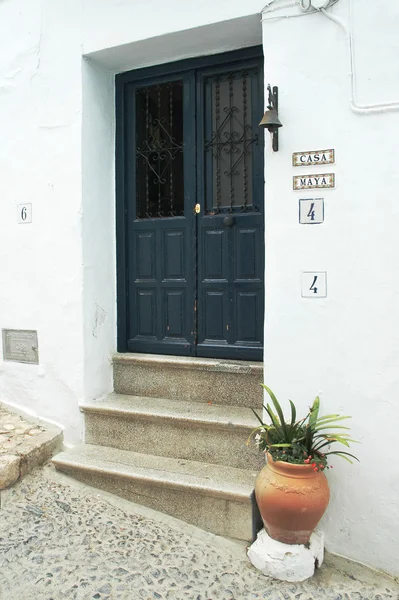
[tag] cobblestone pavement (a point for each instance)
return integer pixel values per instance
(24, 445)
(62, 540)
(14, 431)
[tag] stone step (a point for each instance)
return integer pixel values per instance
(24, 445)
(215, 498)
(209, 433)
(227, 382)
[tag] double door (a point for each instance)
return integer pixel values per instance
(190, 227)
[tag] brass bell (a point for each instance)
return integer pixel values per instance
(270, 120)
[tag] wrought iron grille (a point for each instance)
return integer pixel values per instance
(228, 149)
(159, 151)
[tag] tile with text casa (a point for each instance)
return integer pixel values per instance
(313, 157)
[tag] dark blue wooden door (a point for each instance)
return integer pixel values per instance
(231, 223)
(190, 208)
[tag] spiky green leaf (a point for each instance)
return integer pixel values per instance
(257, 416)
(274, 419)
(343, 455)
(314, 411)
(332, 418)
(293, 412)
(323, 427)
(278, 409)
(280, 445)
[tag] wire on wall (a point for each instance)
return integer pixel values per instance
(278, 7)
(355, 107)
(307, 7)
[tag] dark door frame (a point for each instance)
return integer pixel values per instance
(121, 172)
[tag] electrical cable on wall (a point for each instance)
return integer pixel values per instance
(355, 107)
(278, 7)
(308, 7)
(305, 5)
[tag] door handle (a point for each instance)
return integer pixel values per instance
(228, 221)
(197, 209)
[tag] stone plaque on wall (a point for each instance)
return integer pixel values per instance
(20, 346)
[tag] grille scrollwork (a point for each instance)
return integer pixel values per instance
(230, 144)
(159, 151)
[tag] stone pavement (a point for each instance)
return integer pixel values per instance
(60, 539)
(23, 446)
(14, 430)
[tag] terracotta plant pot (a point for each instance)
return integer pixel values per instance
(291, 500)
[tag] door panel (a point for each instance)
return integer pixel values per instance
(230, 224)
(161, 292)
(173, 305)
(191, 282)
(160, 192)
(144, 254)
(215, 308)
(248, 313)
(214, 253)
(146, 312)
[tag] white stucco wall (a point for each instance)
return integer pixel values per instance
(111, 23)
(98, 213)
(346, 346)
(57, 275)
(40, 163)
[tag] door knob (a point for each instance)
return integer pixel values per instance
(228, 221)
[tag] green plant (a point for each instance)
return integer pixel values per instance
(303, 441)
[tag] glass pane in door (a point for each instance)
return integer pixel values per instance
(229, 141)
(159, 151)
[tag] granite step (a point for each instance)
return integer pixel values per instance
(215, 498)
(227, 382)
(208, 433)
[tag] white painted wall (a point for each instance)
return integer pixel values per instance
(345, 347)
(110, 23)
(58, 274)
(40, 162)
(99, 243)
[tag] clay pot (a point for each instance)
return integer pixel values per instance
(291, 500)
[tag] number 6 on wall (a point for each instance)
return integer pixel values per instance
(24, 213)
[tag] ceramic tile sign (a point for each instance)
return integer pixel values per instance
(311, 182)
(24, 213)
(311, 211)
(313, 157)
(314, 284)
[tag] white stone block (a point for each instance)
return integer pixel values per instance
(287, 562)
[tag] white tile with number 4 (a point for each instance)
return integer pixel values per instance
(311, 211)
(314, 284)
